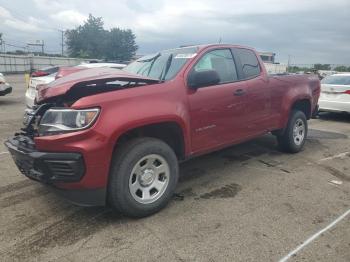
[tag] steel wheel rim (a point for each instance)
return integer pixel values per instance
(149, 179)
(299, 132)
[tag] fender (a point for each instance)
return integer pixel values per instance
(294, 94)
(154, 120)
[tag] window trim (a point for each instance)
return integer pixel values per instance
(211, 50)
(241, 73)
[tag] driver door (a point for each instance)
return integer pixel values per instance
(217, 111)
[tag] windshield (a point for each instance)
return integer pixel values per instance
(336, 80)
(164, 65)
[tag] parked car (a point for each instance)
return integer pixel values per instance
(5, 88)
(335, 93)
(49, 74)
(39, 77)
(104, 136)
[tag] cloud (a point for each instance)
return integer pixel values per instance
(49, 5)
(4, 13)
(309, 31)
(30, 24)
(69, 18)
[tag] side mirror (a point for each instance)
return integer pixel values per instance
(203, 78)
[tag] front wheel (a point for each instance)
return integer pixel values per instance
(293, 138)
(143, 177)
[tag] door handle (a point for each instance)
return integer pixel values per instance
(239, 92)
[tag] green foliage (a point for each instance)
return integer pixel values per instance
(91, 40)
(120, 44)
(322, 67)
(296, 69)
(342, 69)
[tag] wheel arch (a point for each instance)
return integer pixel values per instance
(169, 131)
(304, 105)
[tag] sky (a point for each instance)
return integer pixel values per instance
(305, 31)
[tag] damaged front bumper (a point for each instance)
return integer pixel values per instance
(5, 89)
(51, 168)
(46, 167)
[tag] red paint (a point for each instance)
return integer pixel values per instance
(210, 118)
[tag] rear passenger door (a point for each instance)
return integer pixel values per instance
(258, 93)
(217, 111)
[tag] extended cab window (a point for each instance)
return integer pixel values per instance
(220, 60)
(249, 62)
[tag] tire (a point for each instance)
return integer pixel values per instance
(143, 177)
(290, 141)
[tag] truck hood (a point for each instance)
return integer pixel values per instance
(91, 78)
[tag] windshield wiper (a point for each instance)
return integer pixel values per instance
(149, 58)
(167, 67)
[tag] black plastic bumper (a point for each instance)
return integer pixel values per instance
(6, 91)
(49, 168)
(45, 166)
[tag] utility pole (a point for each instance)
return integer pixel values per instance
(62, 40)
(288, 65)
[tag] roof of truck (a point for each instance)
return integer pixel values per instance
(203, 46)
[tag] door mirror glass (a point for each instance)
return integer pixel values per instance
(203, 78)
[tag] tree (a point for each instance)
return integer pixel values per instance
(296, 69)
(342, 69)
(322, 67)
(91, 40)
(87, 39)
(120, 44)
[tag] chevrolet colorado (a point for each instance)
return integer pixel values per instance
(107, 136)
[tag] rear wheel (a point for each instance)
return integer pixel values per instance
(143, 177)
(293, 138)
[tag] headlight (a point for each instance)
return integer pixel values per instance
(58, 121)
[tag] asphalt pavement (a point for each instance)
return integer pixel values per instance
(249, 202)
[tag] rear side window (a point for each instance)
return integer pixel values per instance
(221, 61)
(336, 80)
(249, 62)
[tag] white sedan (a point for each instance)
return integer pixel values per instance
(47, 75)
(335, 93)
(5, 87)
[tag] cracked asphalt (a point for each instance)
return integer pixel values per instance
(246, 203)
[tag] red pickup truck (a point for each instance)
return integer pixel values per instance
(116, 136)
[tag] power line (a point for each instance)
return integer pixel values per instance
(21, 17)
(5, 43)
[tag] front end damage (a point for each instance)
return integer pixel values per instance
(51, 168)
(46, 167)
(67, 160)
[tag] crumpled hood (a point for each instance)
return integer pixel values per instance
(92, 76)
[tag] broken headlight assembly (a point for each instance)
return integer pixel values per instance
(61, 120)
